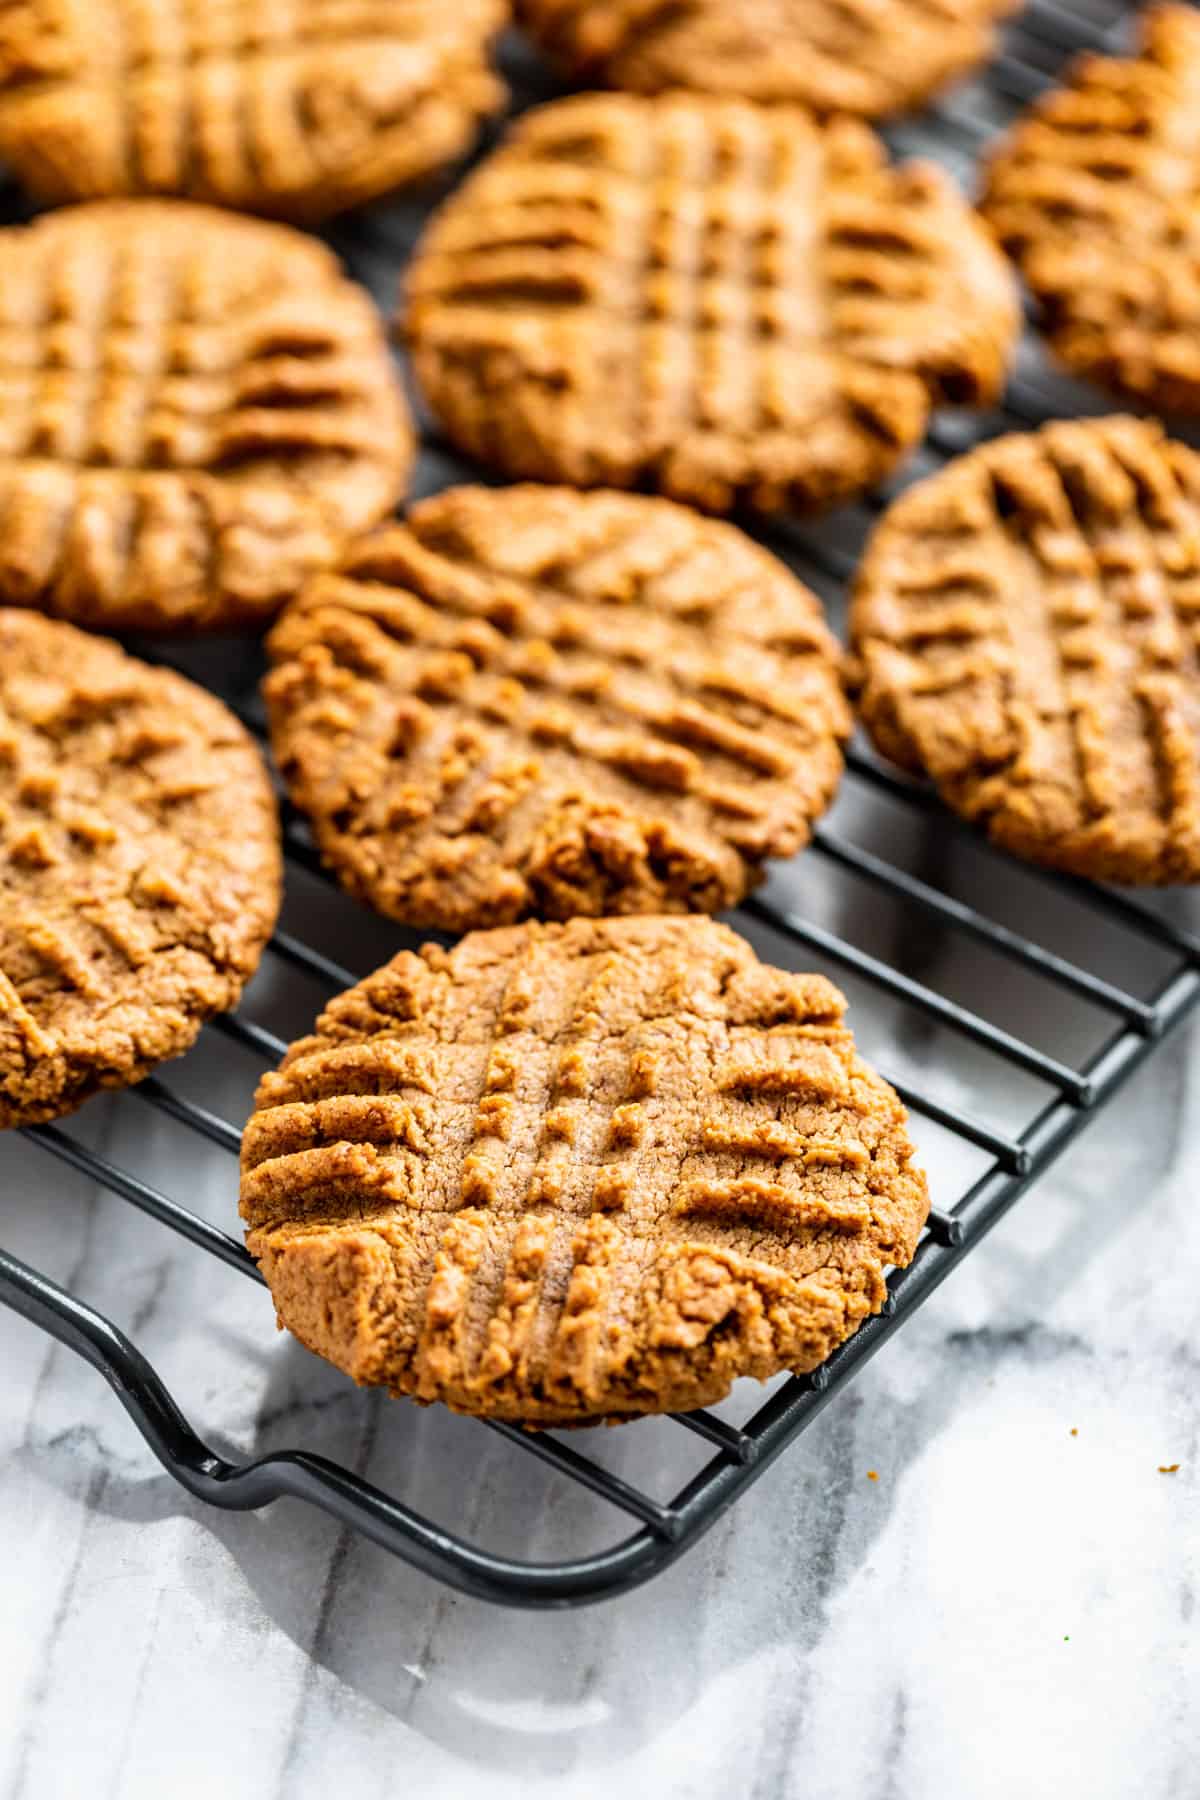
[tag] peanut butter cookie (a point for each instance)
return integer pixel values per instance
(296, 108)
(1027, 624)
(836, 56)
(1097, 197)
(568, 1172)
(139, 865)
(196, 411)
(719, 300)
(535, 701)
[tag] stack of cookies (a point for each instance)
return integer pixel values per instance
(596, 1160)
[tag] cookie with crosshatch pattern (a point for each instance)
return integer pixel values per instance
(1027, 629)
(296, 108)
(836, 56)
(196, 411)
(1096, 195)
(718, 300)
(537, 702)
(568, 1172)
(139, 865)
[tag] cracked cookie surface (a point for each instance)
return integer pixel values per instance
(1027, 630)
(196, 411)
(296, 108)
(1096, 195)
(537, 702)
(139, 865)
(835, 56)
(568, 1172)
(718, 300)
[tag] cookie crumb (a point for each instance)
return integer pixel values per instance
(1074, 1431)
(872, 1474)
(1168, 1468)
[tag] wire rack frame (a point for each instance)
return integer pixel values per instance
(662, 1531)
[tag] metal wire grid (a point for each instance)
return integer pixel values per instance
(1077, 1088)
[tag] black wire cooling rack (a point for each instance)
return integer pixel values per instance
(1038, 995)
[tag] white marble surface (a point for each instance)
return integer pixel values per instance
(1007, 1611)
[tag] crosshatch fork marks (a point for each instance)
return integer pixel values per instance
(1028, 624)
(534, 701)
(719, 300)
(198, 410)
(296, 107)
(647, 1164)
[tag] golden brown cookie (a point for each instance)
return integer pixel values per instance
(1097, 197)
(836, 56)
(196, 411)
(564, 1172)
(719, 300)
(139, 865)
(296, 108)
(1027, 624)
(531, 701)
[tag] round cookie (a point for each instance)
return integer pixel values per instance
(297, 109)
(719, 300)
(567, 1172)
(1027, 626)
(531, 701)
(1096, 195)
(863, 57)
(139, 865)
(196, 411)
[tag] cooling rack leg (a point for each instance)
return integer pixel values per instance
(295, 1474)
(128, 1373)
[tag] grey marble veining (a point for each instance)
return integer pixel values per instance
(1005, 1613)
(1007, 1610)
